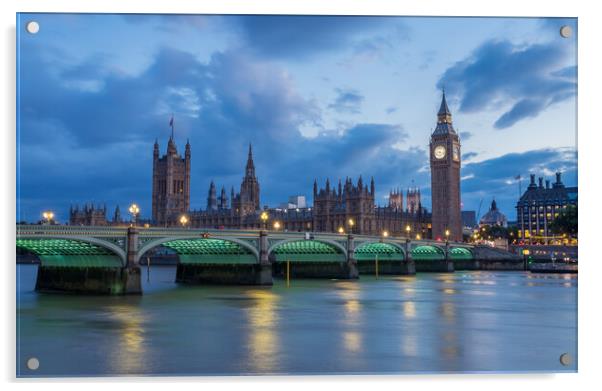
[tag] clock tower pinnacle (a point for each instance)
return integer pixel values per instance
(445, 160)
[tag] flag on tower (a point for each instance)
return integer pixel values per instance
(171, 121)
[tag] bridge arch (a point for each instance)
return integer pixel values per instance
(386, 250)
(181, 242)
(73, 251)
(460, 253)
(300, 250)
(427, 252)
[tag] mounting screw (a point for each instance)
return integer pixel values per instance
(32, 27)
(566, 31)
(33, 363)
(565, 359)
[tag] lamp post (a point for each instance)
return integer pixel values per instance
(526, 253)
(276, 225)
(264, 218)
(446, 236)
(341, 230)
(48, 216)
(351, 223)
(385, 234)
(134, 211)
(184, 220)
(408, 229)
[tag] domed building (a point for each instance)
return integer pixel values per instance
(494, 217)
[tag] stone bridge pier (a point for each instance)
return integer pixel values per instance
(351, 271)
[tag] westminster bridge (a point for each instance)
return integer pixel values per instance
(106, 259)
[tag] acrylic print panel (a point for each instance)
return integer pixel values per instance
(234, 195)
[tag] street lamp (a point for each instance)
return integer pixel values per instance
(264, 218)
(385, 234)
(183, 220)
(276, 225)
(48, 216)
(417, 236)
(134, 210)
(341, 230)
(351, 224)
(447, 235)
(408, 229)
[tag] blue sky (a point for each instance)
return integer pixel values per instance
(319, 97)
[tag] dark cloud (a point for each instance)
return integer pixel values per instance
(529, 78)
(347, 101)
(301, 37)
(82, 145)
(469, 155)
(465, 135)
(495, 177)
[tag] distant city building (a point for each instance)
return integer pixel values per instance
(540, 205)
(171, 184)
(445, 161)
(295, 202)
(298, 201)
(494, 217)
(469, 218)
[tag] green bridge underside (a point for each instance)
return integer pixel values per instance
(211, 251)
(70, 253)
(460, 254)
(307, 251)
(427, 253)
(382, 251)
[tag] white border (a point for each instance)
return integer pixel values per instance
(590, 105)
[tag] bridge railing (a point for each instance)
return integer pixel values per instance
(42, 230)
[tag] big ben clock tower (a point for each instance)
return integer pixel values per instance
(445, 161)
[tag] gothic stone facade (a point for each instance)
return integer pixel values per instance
(93, 215)
(242, 210)
(445, 160)
(171, 184)
(332, 209)
(351, 208)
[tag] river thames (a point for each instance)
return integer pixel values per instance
(432, 322)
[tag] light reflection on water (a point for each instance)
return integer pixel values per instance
(263, 340)
(467, 321)
(129, 352)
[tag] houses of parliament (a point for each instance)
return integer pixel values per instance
(347, 206)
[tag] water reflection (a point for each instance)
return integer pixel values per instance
(409, 309)
(264, 342)
(352, 311)
(352, 341)
(130, 351)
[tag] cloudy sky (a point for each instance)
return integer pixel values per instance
(319, 97)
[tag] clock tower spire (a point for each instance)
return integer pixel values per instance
(445, 162)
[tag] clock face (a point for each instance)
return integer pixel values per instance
(439, 152)
(456, 154)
